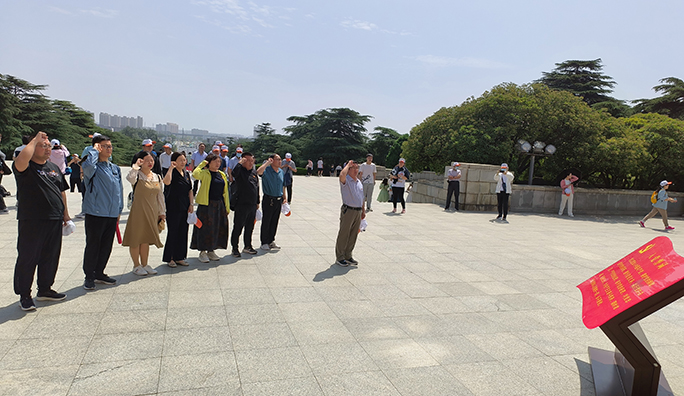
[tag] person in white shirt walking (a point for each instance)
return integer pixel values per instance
(454, 184)
(367, 172)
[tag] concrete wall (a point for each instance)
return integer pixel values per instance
(477, 194)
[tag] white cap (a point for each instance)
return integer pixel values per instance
(238, 150)
(504, 165)
(288, 155)
(455, 164)
(664, 183)
(147, 142)
(402, 160)
(216, 148)
(218, 143)
(54, 142)
(168, 145)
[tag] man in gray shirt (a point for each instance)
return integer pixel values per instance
(351, 214)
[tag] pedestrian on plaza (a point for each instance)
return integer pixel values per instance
(454, 184)
(351, 214)
(309, 168)
(3, 168)
(25, 139)
(338, 170)
(195, 159)
(367, 172)
(59, 155)
(320, 167)
(660, 205)
(504, 184)
(272, 182)
(212, 210)
(147, 213)
(165, 158)
(567, 193)
(289, 169)
(148, 147)
(42, 211)
(102, 205)
(226, 160)
(399, 175)
(385, 190)
(245, 201)
(179, 202)
(76, 176)
(234, 161)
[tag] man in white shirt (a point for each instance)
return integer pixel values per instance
(453, 180)
(367, 172)
(197, 157)
(165, 158)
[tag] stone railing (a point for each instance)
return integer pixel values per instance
(477, 194)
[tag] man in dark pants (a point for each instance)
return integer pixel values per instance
(102, 205)
(244, 199)
(454, 184)
(274, 197)
(41, 213)
(288, 166)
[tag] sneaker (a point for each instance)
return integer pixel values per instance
(139, 271)
(89, 284)
(273, 245)
(446, 209)
(394, 210)
(498, 217)
(352, 261)
(641, 223)
(236, 253)
(265, 247)
(571, 215)
(249, 250)
(203, 257)
(669, 228)
(105, 280)
(369, 210)
(342, 263)
(50, 295)
(150, 270)
(403, 211)
(171, 264)
(213, 256)
(182, 262)
(26, 304)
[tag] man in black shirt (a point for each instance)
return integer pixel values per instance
(244, 201)
(41, 213)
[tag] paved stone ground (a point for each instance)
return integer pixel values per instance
(441, 304)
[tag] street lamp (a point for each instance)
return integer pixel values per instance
(537, 149)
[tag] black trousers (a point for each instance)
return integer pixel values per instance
(39, 244)
(398, 196)
(271, 214)
(289, 193)
(76, 182)
(195, 185)
(100, 233)
(176, 246)
(243, 219)
(453, 189)
(502, 203)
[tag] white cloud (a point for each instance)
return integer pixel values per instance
(443, 61)
(101, 13)
(60, 10)
(368, 26)
(243, 17)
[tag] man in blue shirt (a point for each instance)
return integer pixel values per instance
(351, 214)
(274, 197)
(102, 205)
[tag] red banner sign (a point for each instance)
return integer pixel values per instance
(641, 274)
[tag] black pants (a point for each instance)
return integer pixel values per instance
(39, 244)
(453, 189)
(398, 196)
(271, 214)
(502, 203)
(289, 193)
(244, 218)
(100, 233)
(176, 246)
(195, 185)
(76, 182)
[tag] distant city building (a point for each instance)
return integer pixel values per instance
(173, 128)
(195, 131)
(116, 122)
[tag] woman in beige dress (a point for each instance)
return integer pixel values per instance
(148, 210)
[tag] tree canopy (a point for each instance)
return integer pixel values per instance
(671, 102)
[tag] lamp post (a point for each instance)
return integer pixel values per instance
(538, 149)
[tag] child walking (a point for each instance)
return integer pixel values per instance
(660, 205)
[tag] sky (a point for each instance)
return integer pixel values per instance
(228, 65)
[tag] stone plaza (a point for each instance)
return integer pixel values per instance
(442, 303)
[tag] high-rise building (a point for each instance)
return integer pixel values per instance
(139, 122)
(119, 122)
(172, 128)
(105, 120)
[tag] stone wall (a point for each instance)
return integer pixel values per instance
(477, 194)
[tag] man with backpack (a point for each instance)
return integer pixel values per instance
(659, 200)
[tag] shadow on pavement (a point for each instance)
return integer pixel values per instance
(333, 271)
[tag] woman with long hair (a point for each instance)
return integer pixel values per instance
(179, 200)
(212, 210)
(147, 213)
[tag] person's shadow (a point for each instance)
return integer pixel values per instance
(333, 271)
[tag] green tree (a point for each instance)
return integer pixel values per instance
(382, 140)
(671, 102)
(394, 153)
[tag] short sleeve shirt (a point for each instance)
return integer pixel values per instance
(272, 182)
(368, 170)
(352, 192)
(662, 199)
(454, 173)
(246, 185)
(197, 157)
(39, 189)
(320, 164)
(400, 171)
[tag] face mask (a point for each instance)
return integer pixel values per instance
(239, 155)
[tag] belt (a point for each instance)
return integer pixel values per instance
(345, 206)
(272, 197)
